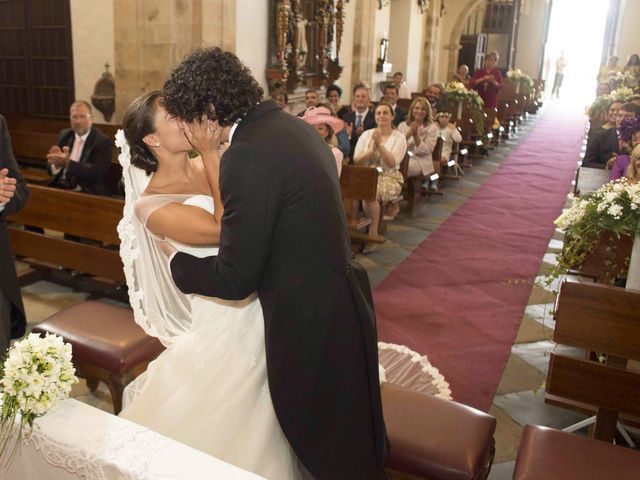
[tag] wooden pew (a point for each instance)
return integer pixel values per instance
(358, 184)
(89, 217)
(596, 318)
(604, 319)
(414, 184)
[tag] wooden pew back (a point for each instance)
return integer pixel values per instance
(87, 216)
(357, 183)
(604, 319)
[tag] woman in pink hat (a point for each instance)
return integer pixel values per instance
(327, 126)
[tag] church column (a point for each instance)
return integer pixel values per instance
(150, 37)
(364, 45)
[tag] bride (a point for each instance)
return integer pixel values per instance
(209, 388)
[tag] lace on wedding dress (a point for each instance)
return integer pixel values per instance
(158, 306)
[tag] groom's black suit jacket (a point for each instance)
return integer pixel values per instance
(284, 235)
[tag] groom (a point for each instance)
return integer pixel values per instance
(284, 235)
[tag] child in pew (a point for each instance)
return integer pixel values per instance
(449, 133)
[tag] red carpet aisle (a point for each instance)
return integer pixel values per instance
(460, 296)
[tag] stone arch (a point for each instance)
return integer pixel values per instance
(454, 41)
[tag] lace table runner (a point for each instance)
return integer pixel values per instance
(77, 441)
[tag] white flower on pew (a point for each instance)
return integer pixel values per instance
(37, 373)
(614, 208)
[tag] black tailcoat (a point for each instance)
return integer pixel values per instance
(8, 280)
(91, 172)
(284, 235)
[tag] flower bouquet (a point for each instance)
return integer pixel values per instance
(457, 94)
(518, 77)
(602, 220)
(37, 373)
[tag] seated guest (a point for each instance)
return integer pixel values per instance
(633, 67)
(282, 98)
(341, 139)
(421, 135)
(311, 99)
(603, 119)
(487, 81)
(604, 145)
(382, 147)
(360, 118)
(630, 139)
(403, 90)
(391, 97)
(334, 93)
(603, 89)
(609, 71)
(326, 125)
(13, 196)
(462, 75)
(449, 133)
(633, 172)
(82, 159)
(437, 98)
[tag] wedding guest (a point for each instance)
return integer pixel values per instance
(603, 89)
(311, 99)
(391, 97)
(435, 95)
(449, 133)
(421, 135)
(403, 89)
(462, 75)
(605, 145)
(282, 98)
(13, 197)
(633, 172)
(342, 138)
(334, 94)
(635, 99)
(609, 70)
(561, 64)
(82, 158)
(360, 118)
(326, 125)
(633, 67)
(381, 147)
(630, 138)
(487, 81)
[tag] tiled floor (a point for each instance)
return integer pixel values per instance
(520, 396)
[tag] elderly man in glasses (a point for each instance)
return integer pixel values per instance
(81, 159)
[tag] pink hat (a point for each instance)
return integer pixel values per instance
(317, 115)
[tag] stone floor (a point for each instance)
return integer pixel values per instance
(520, 396)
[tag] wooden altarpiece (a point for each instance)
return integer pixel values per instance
(305, 37)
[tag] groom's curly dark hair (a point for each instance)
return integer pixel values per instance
(211, 76)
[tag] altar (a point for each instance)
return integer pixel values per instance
(78, 441)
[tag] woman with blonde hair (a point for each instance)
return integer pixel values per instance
(421, 134)
(633, 171)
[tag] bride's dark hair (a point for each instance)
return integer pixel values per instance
(137, 123)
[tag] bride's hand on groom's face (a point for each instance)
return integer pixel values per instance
(204, 135)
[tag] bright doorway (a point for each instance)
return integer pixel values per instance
(576, 28)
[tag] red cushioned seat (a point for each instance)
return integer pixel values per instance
(545, 453)
(435, 438)
(107, 344)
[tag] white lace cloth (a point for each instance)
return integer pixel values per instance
(77, 441)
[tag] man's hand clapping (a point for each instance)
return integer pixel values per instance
(7, 186)
(58, 158)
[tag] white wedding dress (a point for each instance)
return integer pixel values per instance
(209, 388)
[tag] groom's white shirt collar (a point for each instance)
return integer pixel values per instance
(233, 130)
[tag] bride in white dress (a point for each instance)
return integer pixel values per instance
(209, 388)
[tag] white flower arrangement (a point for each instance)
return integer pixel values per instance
(614, 208)
(517, 75)
(457, 92)
(37, 373)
